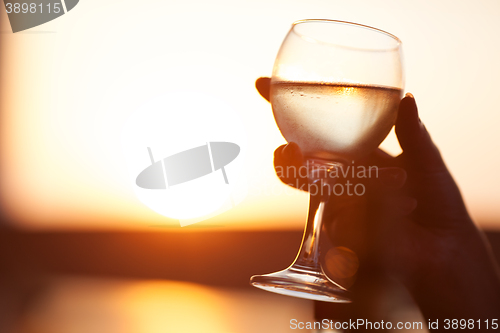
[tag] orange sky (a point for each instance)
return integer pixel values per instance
(70, 84)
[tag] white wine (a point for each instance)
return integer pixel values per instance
(339, 122)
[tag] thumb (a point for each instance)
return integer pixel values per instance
(414, 139)
(438, 196)
(263, 85)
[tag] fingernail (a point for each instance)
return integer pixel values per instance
(412, 112)
(287, 150)
(409, 102)
(392, 177)
(291, 151)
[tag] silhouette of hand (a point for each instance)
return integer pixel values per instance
(414, 220)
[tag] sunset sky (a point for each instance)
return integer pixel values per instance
(70, 85)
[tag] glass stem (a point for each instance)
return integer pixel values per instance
(319, 188)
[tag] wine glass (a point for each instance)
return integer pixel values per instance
(335, 91)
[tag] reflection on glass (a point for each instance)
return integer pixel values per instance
(335, 91)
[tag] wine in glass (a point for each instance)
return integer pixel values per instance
(335, 91)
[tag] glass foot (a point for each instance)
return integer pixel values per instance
(301, 283)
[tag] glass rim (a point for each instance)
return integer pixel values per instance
(388, 34)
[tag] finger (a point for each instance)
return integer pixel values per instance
(378, 158)
(288, 164)
(395, 207)
(414, 139)
(385, 181)
(289, 154)
(392, 178)
(263, 85)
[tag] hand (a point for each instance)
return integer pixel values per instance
(418, 225)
